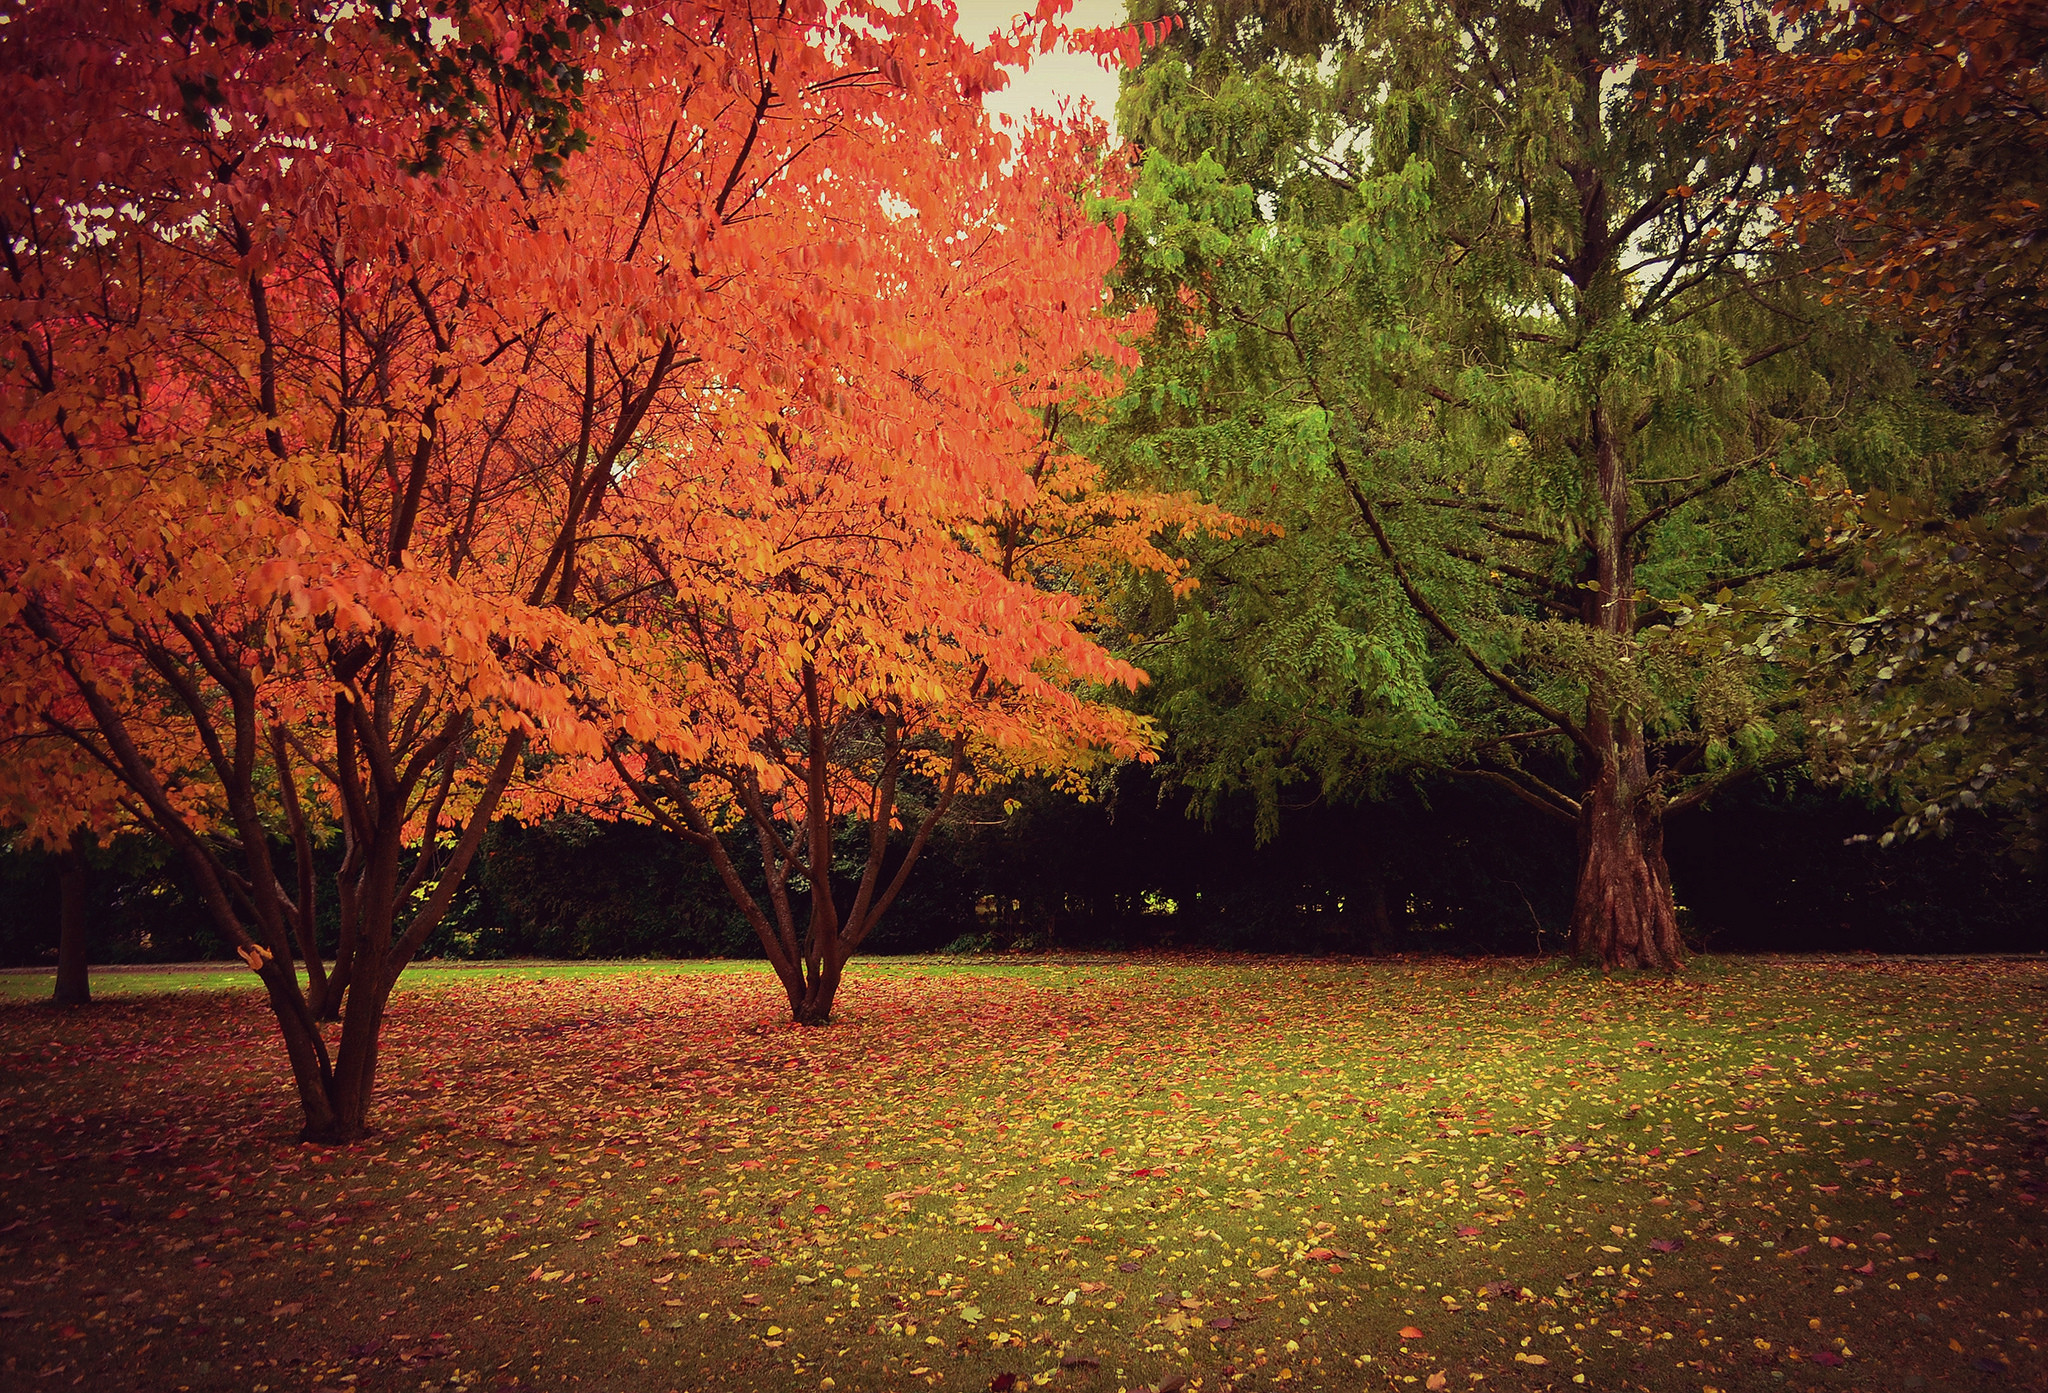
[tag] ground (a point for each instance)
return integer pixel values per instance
(1085, 1174)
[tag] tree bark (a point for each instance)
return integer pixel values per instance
(813, 1004)
(74, 987)
(355, 1065)
(1623, 915)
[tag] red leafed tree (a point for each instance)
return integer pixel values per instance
(1918, 132)
(310, 411)
(852, 603)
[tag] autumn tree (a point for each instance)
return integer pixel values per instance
(311, 411)
(851, 618)
(1435, 278)
(1913, 139)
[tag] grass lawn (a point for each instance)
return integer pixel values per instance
(1089, 1174)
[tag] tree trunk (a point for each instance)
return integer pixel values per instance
(355, 1065)
(1623, 915)
(312, 1074)
(334, 1093)
(813, 1005)
(74, 987)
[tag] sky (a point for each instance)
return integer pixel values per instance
(1053, 75)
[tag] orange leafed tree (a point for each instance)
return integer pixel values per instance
(311, 414)
(853, 603)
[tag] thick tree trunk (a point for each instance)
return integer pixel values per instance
(335, 1093)
(74, 986)
(1623, 915)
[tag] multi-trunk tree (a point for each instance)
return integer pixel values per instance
(285, 484)
(1439, 266)
(847, 619)
(324, 377)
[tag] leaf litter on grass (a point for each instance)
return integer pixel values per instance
(1088, 1174)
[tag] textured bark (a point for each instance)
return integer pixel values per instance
(1623, 915)
(74, 986)
(355, 1065)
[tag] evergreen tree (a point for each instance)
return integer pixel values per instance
(1519, 362)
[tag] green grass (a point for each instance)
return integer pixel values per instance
(1092, 1174)
(143, 981)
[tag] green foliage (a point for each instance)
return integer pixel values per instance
(1946, 676)
(479, 76)
(1492, 344)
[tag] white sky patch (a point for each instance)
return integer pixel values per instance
(1053, 75)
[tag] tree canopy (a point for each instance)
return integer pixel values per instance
(1452, 292)
(352, 469)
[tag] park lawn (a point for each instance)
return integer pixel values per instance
(142, 980)
(1084, 1174)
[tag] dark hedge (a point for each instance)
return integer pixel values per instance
(1458, 868)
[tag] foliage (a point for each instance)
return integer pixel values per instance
(259, 581)
(139, 908)
(845, 615)
(1947, 677)
(575, 888)
(1457, 867)
(1525, 366)
(1354, 1173)
(1773, 865)
(315, 445)
(1917, 133)
(1914, 137)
